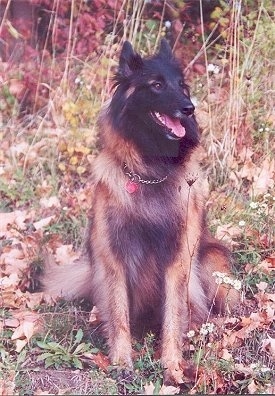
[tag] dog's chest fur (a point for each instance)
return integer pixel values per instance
(148, 232)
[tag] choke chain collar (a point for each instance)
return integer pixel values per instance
(136, 178)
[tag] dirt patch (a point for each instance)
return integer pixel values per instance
(62, 382)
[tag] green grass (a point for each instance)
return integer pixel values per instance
(235, 111)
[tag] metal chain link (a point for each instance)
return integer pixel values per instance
(135, 178)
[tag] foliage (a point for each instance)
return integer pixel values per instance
(52, 86)
(57, 355)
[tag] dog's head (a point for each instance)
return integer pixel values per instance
(151, 105)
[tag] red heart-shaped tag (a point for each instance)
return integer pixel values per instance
(131, 187)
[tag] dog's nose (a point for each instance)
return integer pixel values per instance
(188, 109)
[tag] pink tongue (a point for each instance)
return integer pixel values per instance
(175, 125)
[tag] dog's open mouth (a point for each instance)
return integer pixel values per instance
(173, 127)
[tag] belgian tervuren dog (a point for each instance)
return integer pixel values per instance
(148, 257)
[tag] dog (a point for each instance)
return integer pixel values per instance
(148, 257)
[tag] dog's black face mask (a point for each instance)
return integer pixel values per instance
(152, 106)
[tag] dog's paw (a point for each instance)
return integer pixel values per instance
(122, 359)
(173, 373)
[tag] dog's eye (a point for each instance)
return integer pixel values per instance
(157, 85)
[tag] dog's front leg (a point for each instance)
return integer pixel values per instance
(175, 322)
(112, 301)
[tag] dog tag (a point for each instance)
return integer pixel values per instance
(131, 187)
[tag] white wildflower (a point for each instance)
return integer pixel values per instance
(237, 284)
(219, 281)
(253, 205)
(167, 24)
(227, 280)
(211, 68)
(206, 328)
(190, 333)
(224, 278)
(203, 331)
(242, 223)
(265, 369)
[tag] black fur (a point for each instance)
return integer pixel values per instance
(137, 95)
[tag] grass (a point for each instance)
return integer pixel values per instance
(48, 153)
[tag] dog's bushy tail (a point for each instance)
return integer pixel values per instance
(69, 281)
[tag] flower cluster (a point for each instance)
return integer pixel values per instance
(206, 328)
(264, 206)
(190, 333)
(264, 129)
(213, 68)
(257, 367)
(225, 279)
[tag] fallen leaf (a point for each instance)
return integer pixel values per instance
(20, 344)
(7, 384)
(226, 355)
(100, 360)
(262, 286)
(268, 345)
(227, 232)
(271, 260)
(11, 322)
(14, 261)
(38, 225)
(65, 254)
(8, 218)
(51, 202)
(264, 178)
(252, 388)
(149, 389)
(30, 324)
(94, 316)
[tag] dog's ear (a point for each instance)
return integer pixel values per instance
(165, 50)
(129, 60)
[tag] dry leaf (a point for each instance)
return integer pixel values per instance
(265, 177)
(14, 261)
(38, 225)
(18, 218)
(268, 345)
(226, 355)
(227, 232)
(11, 322)
(252, 388)
(20, 344)
(65, 254)
(262, 286)
(51, 202)
(100, 360)
(30, 324)
(94, 316)
(164, 390)
(7, 384)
